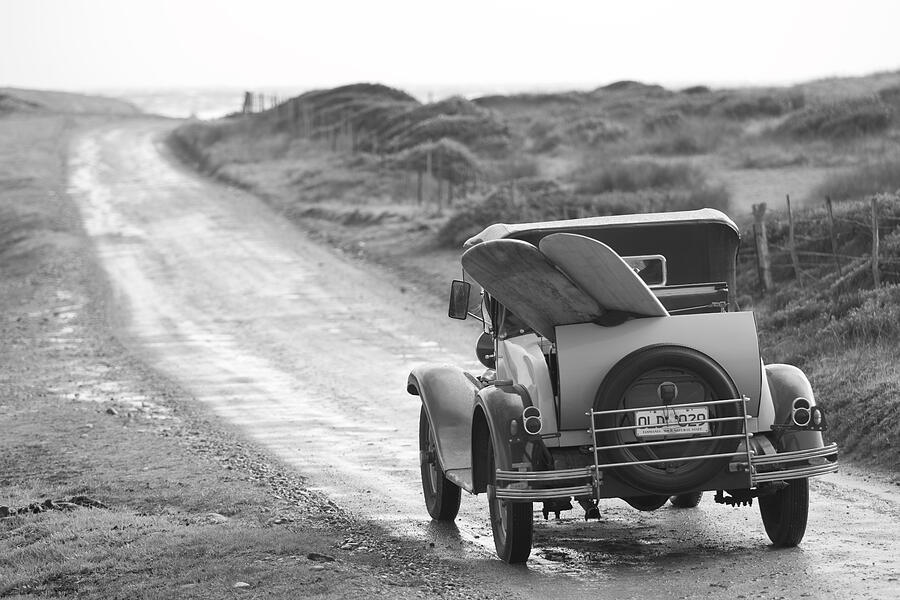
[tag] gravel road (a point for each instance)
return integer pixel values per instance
(307, 351)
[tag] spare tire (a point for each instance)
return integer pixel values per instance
(635, 382)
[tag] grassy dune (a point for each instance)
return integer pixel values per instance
(22, 101)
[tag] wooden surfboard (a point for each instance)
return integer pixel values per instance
(599, 271)
(522, 279)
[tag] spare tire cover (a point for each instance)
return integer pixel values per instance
(635, 383)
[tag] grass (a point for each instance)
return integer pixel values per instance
(882, 177)
(597, 176)
(837, 327)
(838, 120)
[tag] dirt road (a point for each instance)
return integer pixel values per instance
(308, 351)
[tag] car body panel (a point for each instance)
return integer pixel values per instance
(448, 394)
(522, 360)
(787, 382)
(587, 352)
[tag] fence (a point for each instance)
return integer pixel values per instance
(821, 253)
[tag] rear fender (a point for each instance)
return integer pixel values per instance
(447, 393)
(495, 411)
(787, 382)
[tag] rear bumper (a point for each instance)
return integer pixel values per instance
(587, 482)
(798, 464)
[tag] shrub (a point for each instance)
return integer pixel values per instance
(744, 106)
(502, 204)
(877, 318)
(450, 160)
(543, 136)
(890, 95)
(769, 157)
(866, 180)
(542, 200)
(473, 130)
(690, 136)
(662, 122)
(635, 87)
(636, 175)
(396, 126)
(518, 167)
(591, 131)
(838, 120)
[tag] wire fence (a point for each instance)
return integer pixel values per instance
(822, 245)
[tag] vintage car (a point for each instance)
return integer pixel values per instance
(617, 366)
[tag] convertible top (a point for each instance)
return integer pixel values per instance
(700, 246)
(705, 216)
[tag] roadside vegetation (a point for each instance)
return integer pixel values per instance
(833, 322)
(379, 174)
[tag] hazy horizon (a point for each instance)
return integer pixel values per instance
(92, 45)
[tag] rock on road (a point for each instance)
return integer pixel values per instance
(308, 352)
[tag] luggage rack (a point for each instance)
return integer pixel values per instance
(596, 448)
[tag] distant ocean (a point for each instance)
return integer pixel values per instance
(212, 103)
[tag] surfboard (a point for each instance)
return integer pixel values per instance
(601, 273)
(522, 279)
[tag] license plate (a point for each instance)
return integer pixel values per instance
(675, 421)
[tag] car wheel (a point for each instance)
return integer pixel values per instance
(511, 522)
(633, 383)
(441, 496)
(784, 513)
(686, 500)
(646, 503)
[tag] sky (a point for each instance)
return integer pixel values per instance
(83, 45)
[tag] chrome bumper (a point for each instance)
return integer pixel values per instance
(798, 464)
(530, 486)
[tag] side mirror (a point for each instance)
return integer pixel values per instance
(459, 299)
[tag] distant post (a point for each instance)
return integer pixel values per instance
(762, 247)
(834, 252)
(876, 275)
(795, 261)
(247, 108)
(419, 187)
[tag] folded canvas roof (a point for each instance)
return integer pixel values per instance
(700, 246)
(709, 216)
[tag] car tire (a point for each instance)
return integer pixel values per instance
(785, 513)
(690, 500)
(647, 365)
(646, 503)
(442, 497)
(512, 523)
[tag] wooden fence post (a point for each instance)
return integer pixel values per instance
(759, 273)
(762, 247)
(876, 275)
(419, 188)
(440, 180)
(834, 252)
(791, 243)
(428, 162)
